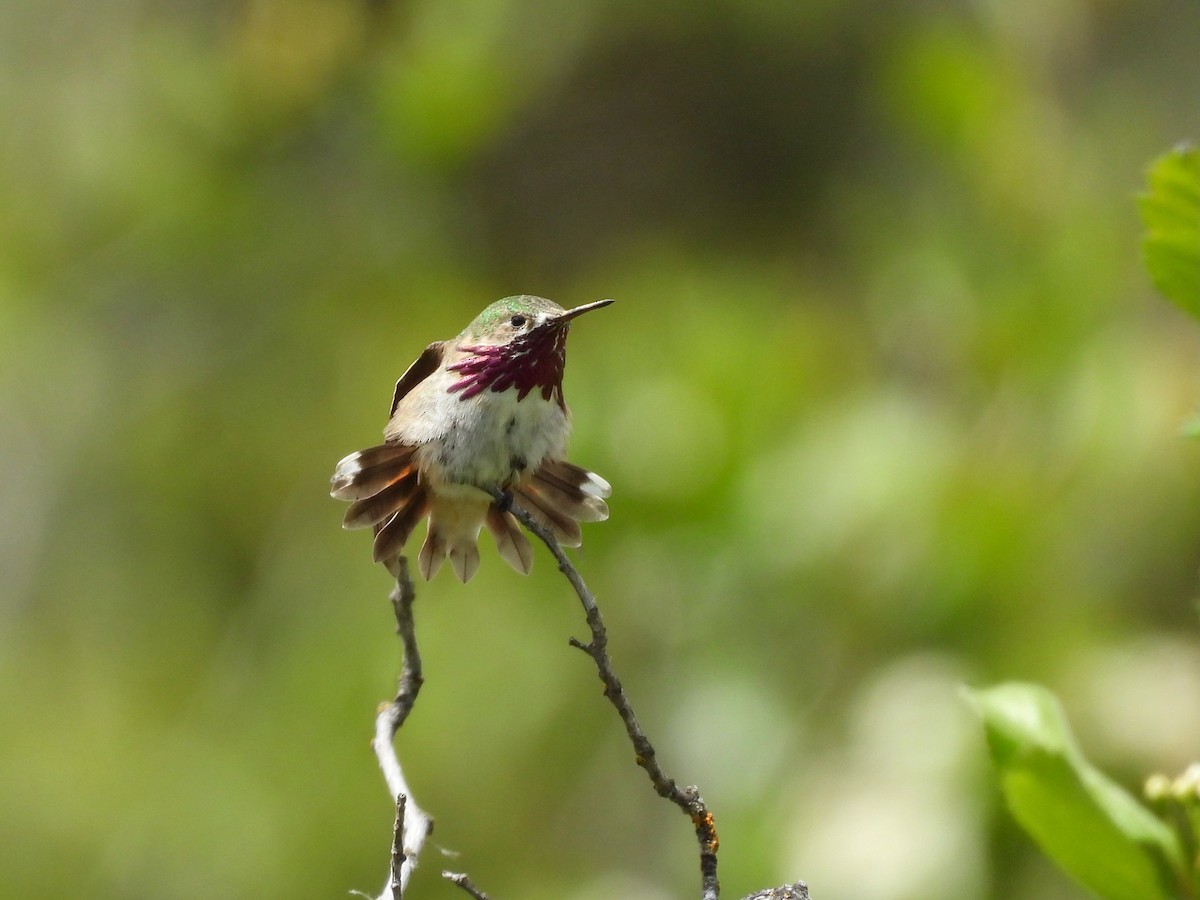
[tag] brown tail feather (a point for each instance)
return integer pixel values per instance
(433, 553)
(388, 493)
(367, 472)
(544, 511)
(370, 510)
(510, 540)
(588, 482)
(464, 560)
(455, 520)
(392, 535)
(569, 498)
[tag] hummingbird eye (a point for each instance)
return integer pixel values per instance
(516, 321)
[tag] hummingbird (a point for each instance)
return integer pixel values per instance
(481, 412)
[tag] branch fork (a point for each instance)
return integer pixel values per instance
(412, 825)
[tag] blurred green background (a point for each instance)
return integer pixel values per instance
(886, 400)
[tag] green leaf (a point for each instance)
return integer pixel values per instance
(1171, 214)
(1089, 825)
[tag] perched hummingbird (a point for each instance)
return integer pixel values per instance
(480, 412)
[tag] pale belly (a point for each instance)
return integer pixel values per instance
(487, 441)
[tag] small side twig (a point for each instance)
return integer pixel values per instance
(461, 879)
(687, 798)
(413, 825)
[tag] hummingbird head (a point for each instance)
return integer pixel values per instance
(518, 342)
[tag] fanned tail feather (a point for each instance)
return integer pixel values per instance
(569, 498)
(587, 482)
(432, 555)
(393, 534)
(367, 472)
(560, 495)
(374, 509)
(510, 540)
(388, 493)
(463, 556)
(464, 560)
(455, 519)
(548, 515)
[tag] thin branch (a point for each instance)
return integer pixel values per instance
(687, 798)
(398, 855)
(461, 879)
(797, 891)
(413, 825)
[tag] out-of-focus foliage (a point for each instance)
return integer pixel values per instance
(1089, 825)
(1171, 212)
(1086, 823)
(887, 402)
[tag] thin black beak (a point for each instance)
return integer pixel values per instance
(578, 311)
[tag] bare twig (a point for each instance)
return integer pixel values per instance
(413, 825)
(461, 879)
(688, 798)
(398, 855)
(797, 891)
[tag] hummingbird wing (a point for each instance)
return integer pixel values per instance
(426, 364)
(382, 481)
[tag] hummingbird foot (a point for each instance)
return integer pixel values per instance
(504, 500)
